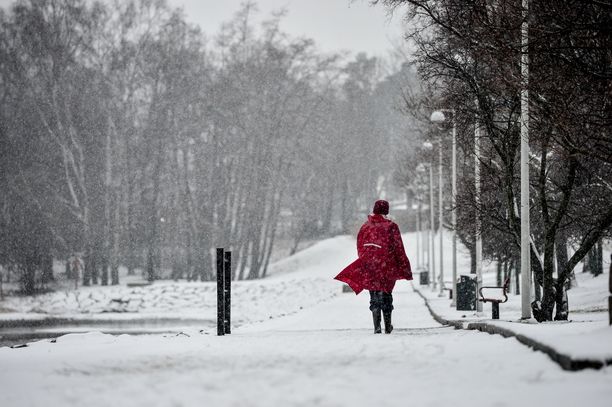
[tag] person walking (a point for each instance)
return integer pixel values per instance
(381, 262)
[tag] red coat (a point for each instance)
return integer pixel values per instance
(382, 258)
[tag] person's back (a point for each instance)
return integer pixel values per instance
(382, 261)
(378, 249)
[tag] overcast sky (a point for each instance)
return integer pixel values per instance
(334, 24)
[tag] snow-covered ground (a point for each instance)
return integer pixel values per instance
(293, 283)
(321, 352)
(325, 355)
(587, 335)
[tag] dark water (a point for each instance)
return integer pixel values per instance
(15, 333)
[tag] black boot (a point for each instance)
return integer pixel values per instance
(388, 326)
(376, 317)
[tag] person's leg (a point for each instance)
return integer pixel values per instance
(375, 307)
(376, 300)
(387, 307)
(386, 301)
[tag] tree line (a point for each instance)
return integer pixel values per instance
(468, 57)
(129, 137)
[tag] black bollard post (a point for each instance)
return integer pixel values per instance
(220, 296)
(228, 290)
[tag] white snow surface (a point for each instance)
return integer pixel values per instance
(320, 352)
(292, 283)
(587, 334)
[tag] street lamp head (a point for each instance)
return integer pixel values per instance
(437, 117)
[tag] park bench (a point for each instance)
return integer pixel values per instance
(448, 286)
(495, 301)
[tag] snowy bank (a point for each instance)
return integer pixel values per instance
(583, 341)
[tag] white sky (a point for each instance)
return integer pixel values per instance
(335, 25)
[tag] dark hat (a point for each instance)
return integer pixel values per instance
(381, 207)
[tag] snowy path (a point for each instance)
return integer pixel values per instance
(325, 355)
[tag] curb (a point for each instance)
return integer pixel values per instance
(564, 361)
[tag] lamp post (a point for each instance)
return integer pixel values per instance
(441, 220)
(417, 208)
(424, 233)
(438, 117)
(432, 259)
(525, 241)
(478, 242)
(610, 292)
(420, 235)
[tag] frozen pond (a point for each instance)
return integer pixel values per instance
(22, 331)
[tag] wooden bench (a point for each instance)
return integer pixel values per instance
(496, 301)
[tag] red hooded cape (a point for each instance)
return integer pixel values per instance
(382, 258)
